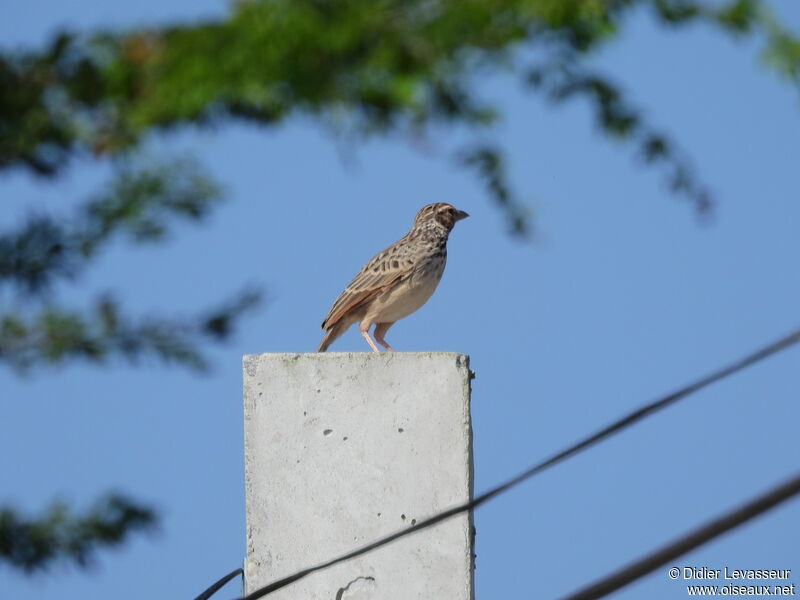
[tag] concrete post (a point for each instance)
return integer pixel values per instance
(343, 448)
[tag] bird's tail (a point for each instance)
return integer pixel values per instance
(331, 334)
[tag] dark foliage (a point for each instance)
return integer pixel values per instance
(61, 536)
(370, 67)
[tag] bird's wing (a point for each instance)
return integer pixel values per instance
(385, 269)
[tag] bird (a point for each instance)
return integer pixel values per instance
(397, 281)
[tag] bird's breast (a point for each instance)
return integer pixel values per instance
(411, 293)
(429, 271)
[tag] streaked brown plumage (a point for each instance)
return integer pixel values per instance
(396, 281)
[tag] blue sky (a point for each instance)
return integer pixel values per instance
(622, 297)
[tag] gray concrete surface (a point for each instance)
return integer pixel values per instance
(342, 448)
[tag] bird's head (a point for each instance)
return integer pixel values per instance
(440, 213)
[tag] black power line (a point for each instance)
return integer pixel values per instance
(690, 541)
(608, 431)
(213, 589)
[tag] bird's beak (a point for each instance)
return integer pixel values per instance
(460, 214)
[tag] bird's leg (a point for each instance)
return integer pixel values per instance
(380, 331)
(365, 334)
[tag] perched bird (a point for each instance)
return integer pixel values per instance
(396, 281)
